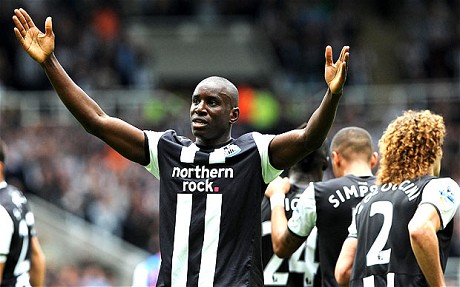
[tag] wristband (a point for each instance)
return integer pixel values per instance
(277, 199)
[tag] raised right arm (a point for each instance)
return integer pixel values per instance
(121, 136)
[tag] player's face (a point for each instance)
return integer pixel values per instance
(210, 114)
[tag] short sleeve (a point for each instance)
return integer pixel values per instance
(352, 229)
(303, 217)
(153, 139)
(268, 171)
(444, 194)
(7, 232)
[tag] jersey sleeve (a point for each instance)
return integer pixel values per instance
(7, 228)
(268, 171)
(444, 195)
(153, 139)
(303, 217)
(353, 229)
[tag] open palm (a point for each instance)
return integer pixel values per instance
(335, 74)
(38, 45)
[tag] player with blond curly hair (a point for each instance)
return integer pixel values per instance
(410, 146)
(400, 235)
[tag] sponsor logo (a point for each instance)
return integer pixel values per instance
(201, 178)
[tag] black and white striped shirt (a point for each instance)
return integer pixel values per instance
(210, 230)
(16, 231)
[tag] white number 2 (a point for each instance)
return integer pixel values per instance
(376, 254)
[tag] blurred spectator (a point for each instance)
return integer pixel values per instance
(146, 272)
(81, 274)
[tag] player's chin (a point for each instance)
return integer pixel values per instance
(199, 131)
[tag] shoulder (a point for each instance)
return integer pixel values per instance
(166, 136)
(332, 182)
(444, 186)
(257, 137)
(254, 140)
(346, 180)
(443, 181)
(11, 193)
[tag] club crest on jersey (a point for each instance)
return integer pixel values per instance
(231, 150)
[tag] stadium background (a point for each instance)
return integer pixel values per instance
(141, 59)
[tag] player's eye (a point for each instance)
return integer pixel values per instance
(195, 100)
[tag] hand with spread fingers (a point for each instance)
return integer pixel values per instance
(335, 74)
(37, 44)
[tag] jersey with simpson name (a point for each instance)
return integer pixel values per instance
(298, 270)
(384, 256)
(328, 205)
(16, 231)
(210, 208)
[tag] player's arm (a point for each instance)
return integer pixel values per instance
(422, 230)
(123, 137)
(345, 261)
(288, 148)
(38, 264)
(2, 267)
(344, 264)
(283, 241)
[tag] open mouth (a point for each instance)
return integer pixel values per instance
(199, 122)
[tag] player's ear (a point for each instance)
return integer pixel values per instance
(374, 159)
(234, 115)
(335, 158)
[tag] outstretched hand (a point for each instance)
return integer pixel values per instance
(335, 74)
(38, 45)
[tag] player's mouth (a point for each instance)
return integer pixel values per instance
(197, 122)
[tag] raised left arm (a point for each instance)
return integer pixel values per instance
(288, 148)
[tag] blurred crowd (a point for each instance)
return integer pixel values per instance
(82, 175)
(391, 41)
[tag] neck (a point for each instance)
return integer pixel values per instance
(358, 169)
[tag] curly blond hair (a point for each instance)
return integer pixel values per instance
(410, 145)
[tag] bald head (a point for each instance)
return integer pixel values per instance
(223, 85)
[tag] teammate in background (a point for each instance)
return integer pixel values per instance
(327, 205)
(211, 188)
(300, 269)
(146, 272)
(401, 233)
(22, 262)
